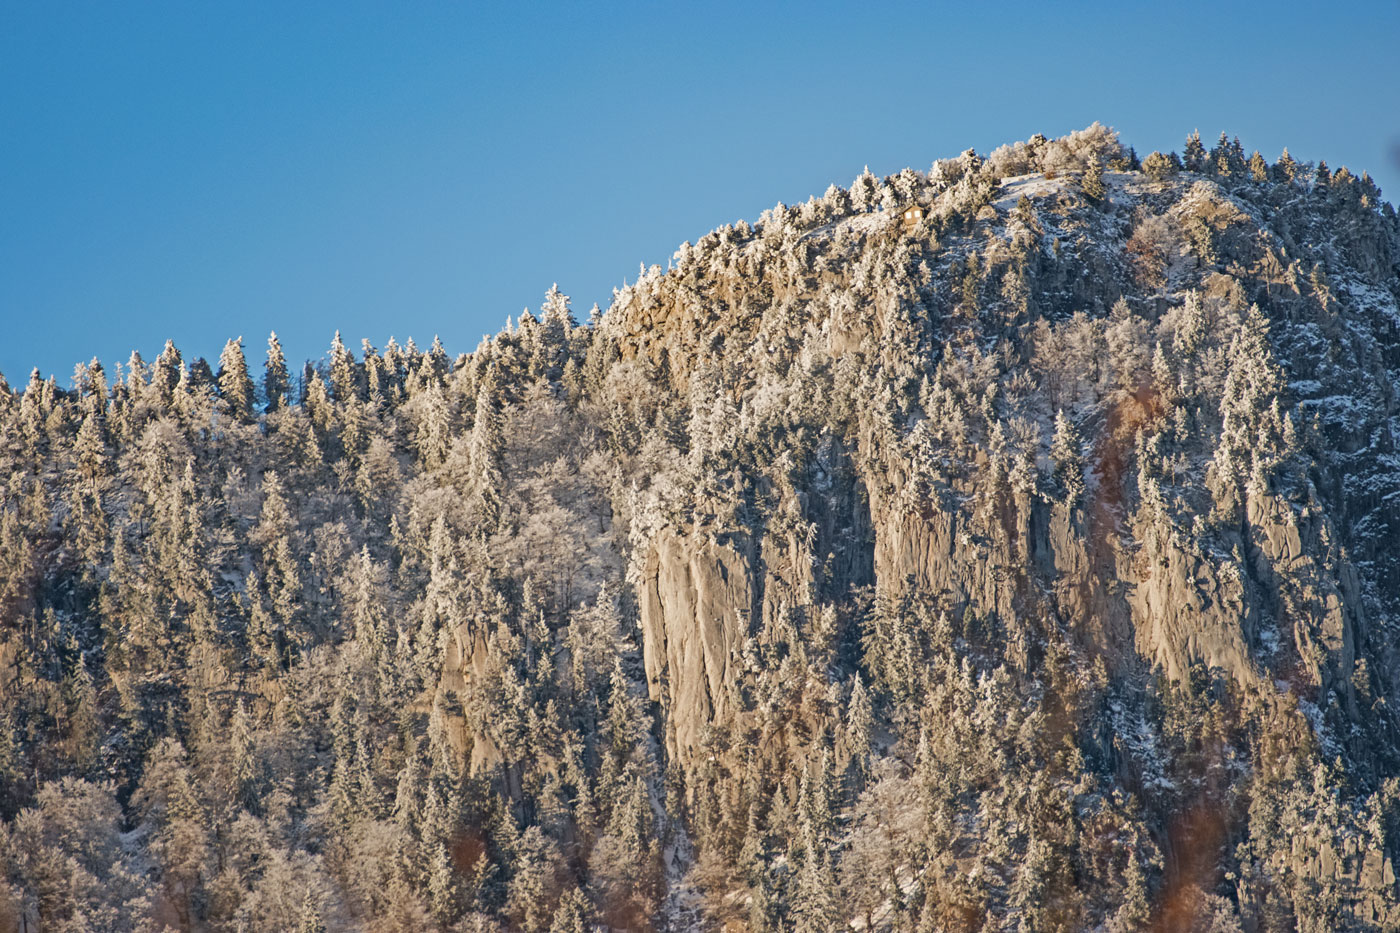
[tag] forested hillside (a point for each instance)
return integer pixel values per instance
(1028, 562)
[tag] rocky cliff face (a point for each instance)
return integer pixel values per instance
(1267, 592)
(1214, 503)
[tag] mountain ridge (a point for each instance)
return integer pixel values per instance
(1024, 566)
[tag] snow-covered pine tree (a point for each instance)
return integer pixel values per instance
(1194, 154)
(1091, 183)
(276, 382)
(235, 385)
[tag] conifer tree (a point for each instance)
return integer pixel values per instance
(1136, 911)
(309, 916)
(860, 724)
(244, 763)
(436, 365)
(814, 906)
(200, 381)
(433, 424)
(573, 914)
(1258, 168)
(367, 623)
(1238, 163)
(281, 570)
(343, 383)
(1065, 455)
(551, 350)
(1227, 158)
(276, 382)
(137, 374)
(11, 764)
(83, 725)
(1252, 383)
(235, 386)
(530, 894)
(1092, 183)
(319, 408)
(865, 191)
(442, 885)
(90, 449)
(486, 449)
(1194, 155)
(165, 373)
(373, 366)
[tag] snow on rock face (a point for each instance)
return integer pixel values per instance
(1034, 186)
(1272, 594)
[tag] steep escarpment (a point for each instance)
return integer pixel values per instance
(952, 469)
(1003, 546)
(1083, 417)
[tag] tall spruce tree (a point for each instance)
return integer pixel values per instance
(235, 385)
(276, 381)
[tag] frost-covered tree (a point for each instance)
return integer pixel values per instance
(1258, 167)
(1194, 154)
(485, 451)
(1092, 181)
(343, 382)
(235, 385)
(865, 191)
(276, 383)
(1159, 167)
(1065, 454)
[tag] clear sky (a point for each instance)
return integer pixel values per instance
(201, 171)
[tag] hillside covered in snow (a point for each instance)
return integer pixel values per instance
(1008, 546)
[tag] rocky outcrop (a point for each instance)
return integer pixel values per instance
(1311, 590)
(1272, 600)
(697, 603)
(1191, 606)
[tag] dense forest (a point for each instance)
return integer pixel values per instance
(1022, 562)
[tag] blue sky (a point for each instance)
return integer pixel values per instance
(204, 171)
